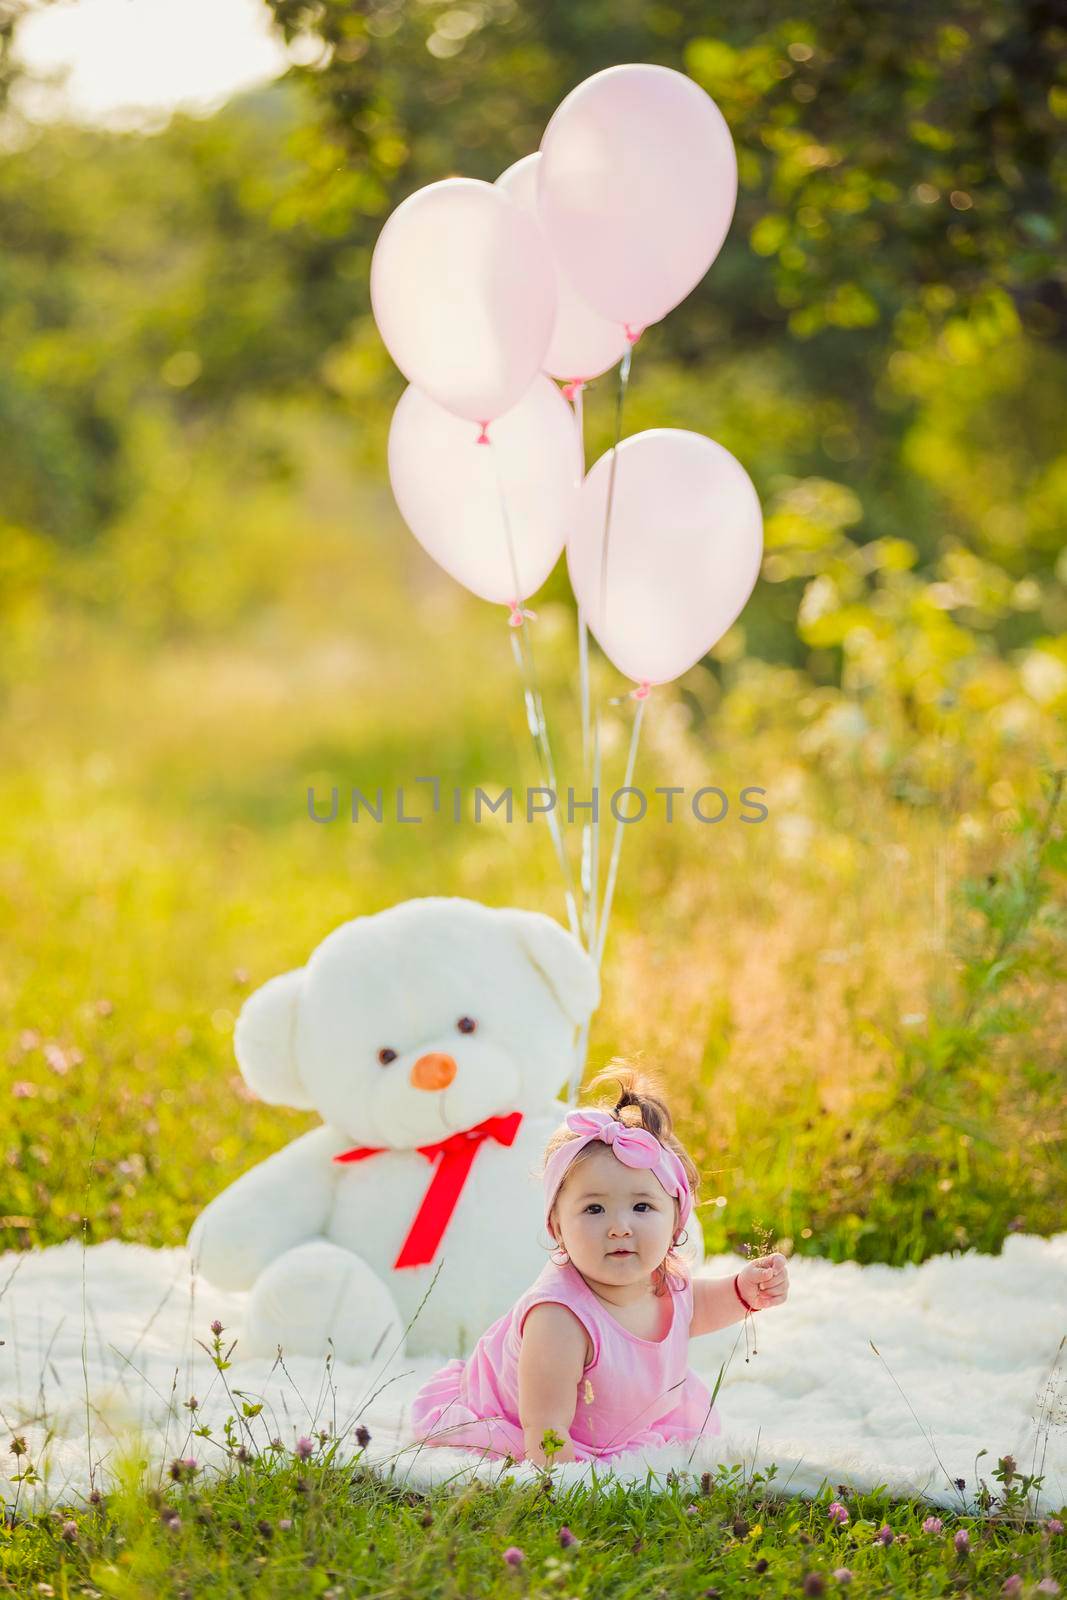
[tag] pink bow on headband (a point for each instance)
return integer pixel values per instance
(634, 1147)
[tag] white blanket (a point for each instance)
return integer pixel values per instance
(101, 1353)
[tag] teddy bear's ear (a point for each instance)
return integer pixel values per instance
(264, 1042)
(561, 961)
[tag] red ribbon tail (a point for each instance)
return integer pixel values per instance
(438, 1204)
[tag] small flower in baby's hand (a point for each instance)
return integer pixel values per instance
(933, 1525)
(884, 1535)
(843, 1574)
(962, 1540)
(837, 1512)
(514, 1556)
(304, 1448)
(567, 1538)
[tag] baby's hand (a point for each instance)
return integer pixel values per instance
(765, 1281)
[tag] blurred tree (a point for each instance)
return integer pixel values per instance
(903, 173)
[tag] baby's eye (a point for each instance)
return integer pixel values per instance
(646, 1203)
(466, 1024)
(386, 1055)
(594, 1205)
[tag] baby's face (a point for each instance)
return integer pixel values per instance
(615, 1222)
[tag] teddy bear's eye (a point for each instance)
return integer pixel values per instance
(466, 1024)
(386, 1055)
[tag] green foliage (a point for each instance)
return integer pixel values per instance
(275, 1524)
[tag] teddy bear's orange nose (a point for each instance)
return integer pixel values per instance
(433, 1072)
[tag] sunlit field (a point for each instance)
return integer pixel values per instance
(212, 618)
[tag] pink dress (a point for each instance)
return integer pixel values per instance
(635, 1392)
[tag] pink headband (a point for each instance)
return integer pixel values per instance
(634, 1147)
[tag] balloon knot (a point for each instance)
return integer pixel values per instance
(642, 691)
(631, 336)
(573, 389)
(519, 614)
(483, 437)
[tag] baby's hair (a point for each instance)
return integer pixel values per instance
(639, 1104)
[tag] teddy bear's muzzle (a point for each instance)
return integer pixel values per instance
(433, 1071)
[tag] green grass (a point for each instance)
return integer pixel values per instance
(274, 1526)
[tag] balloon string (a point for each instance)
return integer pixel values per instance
(522, 649)
(535, 721)
(620, 401)
(616, 847)
(590, 828)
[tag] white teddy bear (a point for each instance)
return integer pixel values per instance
(438, 1020)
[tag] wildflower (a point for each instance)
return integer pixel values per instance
(241, 1454)
(284, 1524)
(961, 1483)
(740, 1527)
(843, 1574)
(933, 1525)
(1047, 1586)
(19, 1447)
(690, 1511)
(362, 1437)
(304, 1448)
(21, 1090)
(837, 1512)
(962, 1541)
(814, 1583)
(174, 1524)
(705, 1483)
(184, 1468)
(1053, 1525)
(884, 1535)
(566, 1538)
(216, 1327)
(95, 1497)
(265, 1529)
(1011, 1585)
(762, 1564)
(514, 1556)
(69, 1530)
(192, 1403)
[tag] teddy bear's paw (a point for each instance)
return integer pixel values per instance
(318, 1297)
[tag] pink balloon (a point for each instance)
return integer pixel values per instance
(683, 551)
(463, 290)
(461, 500)
(636, 189)
(583, 344)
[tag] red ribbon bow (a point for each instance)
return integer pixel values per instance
(438, 1203)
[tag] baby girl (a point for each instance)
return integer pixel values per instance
(595, 1351)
